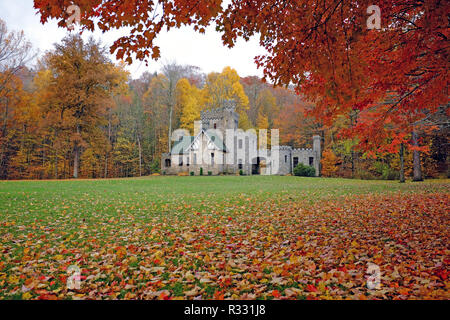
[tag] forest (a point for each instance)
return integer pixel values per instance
(73, 113)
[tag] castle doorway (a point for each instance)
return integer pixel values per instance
(259, 166)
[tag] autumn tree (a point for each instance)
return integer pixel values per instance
(81, 83)
(189, 102)
(225, 86)
(328, 163)
(157, 114)
(15, 52)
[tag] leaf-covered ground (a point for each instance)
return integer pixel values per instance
(224, 237)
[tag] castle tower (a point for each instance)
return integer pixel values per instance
(221, 119)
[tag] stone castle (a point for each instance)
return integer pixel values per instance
(219, 147)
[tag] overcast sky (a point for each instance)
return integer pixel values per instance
(181, 45)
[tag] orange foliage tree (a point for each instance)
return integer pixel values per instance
(329, 163)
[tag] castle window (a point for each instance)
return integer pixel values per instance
(168, 163)
(311, 161)
(187, 161)
(180, 161)
(295, 161)
(285, 159)
(215, 126)
(212, 158)
(240, 164)
(240, 143)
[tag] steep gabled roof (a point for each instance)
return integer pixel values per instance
(182, 146)
(215, 138)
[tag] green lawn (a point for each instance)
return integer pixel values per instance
(223, 237)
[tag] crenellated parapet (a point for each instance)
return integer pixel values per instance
(282, 148)
(301, 149)
(230, 105)
(213, 114)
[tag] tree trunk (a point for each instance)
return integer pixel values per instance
(353, 122)
(56, 165)
(106, 166)
(170, 127)
(76, 160)
(140, 156)
(402, 167)
(3, 141)
(109, 141)
(353, 162)
(417, 170)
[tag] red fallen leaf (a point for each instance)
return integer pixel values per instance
(164, 296)
(230, 218)
(276, 293)
(311, 288)
(219, 295)
(343, 269)
(441, 273)
(225, 282)
(394, 285)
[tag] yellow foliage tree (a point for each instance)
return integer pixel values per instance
(224, 86)
(262, 122)
(188, 101)
(244, 121)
